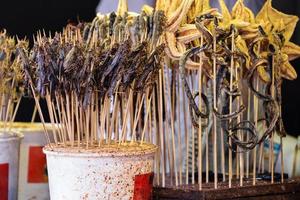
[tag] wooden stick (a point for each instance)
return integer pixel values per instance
(78, 125)
(148, 130)
(248, 118)
(193, 139)
(114, 115)
(116, 127)
(161, 129)
(60, 119)
(146, 119)
(97, 127)
(215, 156)
(158, 134)
(168, 153)
(49, 106)
(57, 122)
(255, 102)
(123, 131)
(137, 119)
(15, 111)
(72, 116)
(1, 106)
(8, 106)
(241, 157)
(179, 135)
(87, 126)
(200, 121)
(102, 120)
(41, 116)
(172, 132)
(187, 150)
(34, 113)
(108, 120)
(230, 110)
(65, 120)
(92, 119)
(223, 156)
(68, 114)
(272, 134)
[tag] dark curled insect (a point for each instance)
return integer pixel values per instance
(149, 73)
(136, 59)
(195, 119)
(250, 79)
(237, 134)
(193, 106)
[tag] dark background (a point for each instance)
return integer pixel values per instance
(26, 17)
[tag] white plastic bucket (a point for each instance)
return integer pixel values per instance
(9, 165)
(33, 180)
(110, 172)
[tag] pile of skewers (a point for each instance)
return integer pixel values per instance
(97, 77)
(11, 79)
(236, 63)
(109, 82)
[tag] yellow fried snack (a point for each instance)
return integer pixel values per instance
(292, 50)
(270, 15)
(276, 23)
(241, 12)
(122, 7)
(147, 9)
(224, 11)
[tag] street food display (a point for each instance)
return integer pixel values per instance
(202, 84)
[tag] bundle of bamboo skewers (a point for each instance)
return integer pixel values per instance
(236, 63)
(97, 77)
(11, 79)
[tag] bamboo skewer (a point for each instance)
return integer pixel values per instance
(271, 147)
(78, 127)
(123, 131)
(172, 133)
(34, 114)
(102, 120)
(215, 156)
(160, 118)
(179, 137)
(255, 100)
(41, 115)
(114, 115)
(223, 156)
(48, 101)
(137, 119)
(206, 132)
(193, 138)
(158, 136)
(187, 155)
(200, 122)
(230, 110)
(241, 158)
(248, 117)
(15, 111)
(147, 118)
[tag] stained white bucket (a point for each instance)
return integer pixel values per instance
(33, 179)
(110, 172)
(9, 165)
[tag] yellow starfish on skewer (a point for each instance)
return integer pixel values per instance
(277, 23)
